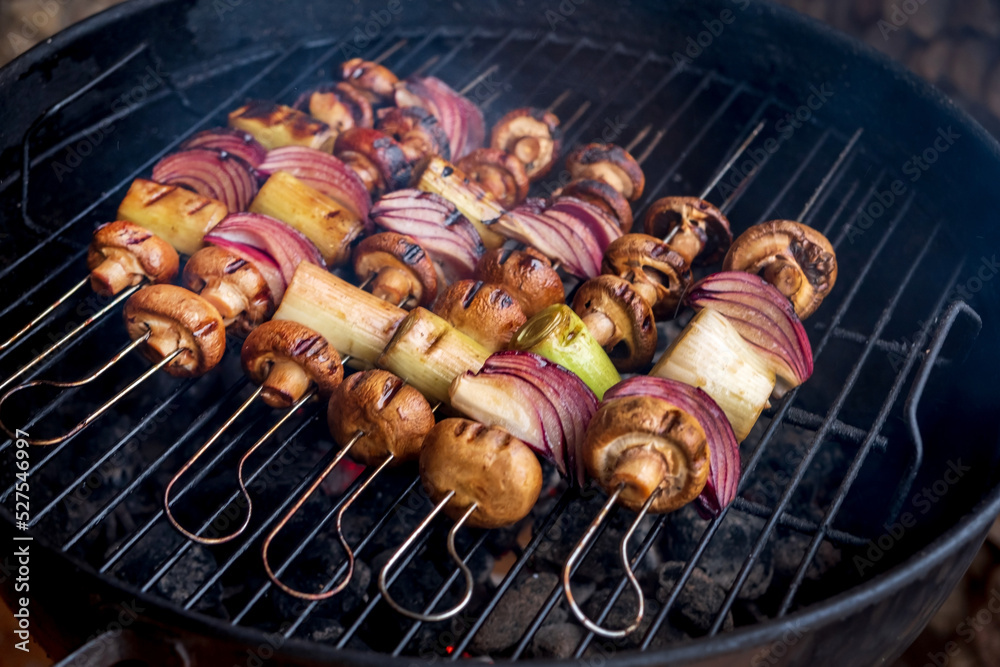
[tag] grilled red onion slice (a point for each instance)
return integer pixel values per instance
(253, 233)
(724, 451)
(601, 225)
(235, 142)
(540, 402)
(211, 173)
(561, 238)
(445, 234)
(461, 120)
(322, 172)
(764, 317)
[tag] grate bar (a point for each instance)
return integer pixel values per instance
(866, 200)
(369, 536)
(579, 46)
(798, 524)
(799, 417)
(818, 438)
(71, 261)
(859, 459)
(490, 55)
(439, 595)
(762, 446)
(111, 452)
(200, 421)
(789, 182)
(807, 210)
(546, 524)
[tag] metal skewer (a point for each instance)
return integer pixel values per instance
(87, 380)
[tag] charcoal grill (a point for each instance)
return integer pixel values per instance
(901, 395)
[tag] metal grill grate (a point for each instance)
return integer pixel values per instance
(692, 120)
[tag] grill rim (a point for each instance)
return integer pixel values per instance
(971, 526)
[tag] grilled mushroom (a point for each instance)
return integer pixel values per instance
(603, 196)
(526, 275)
(499, 173)
(391, 417)
(339, 105)
(646, 443)
(619, 319)
(657, 273)
(610, 164)
(376, 157)
(176, 318)
(482, 311)
(417, 130)
(482, 465)
(398, 267)
(123, 254)
(232, 284)
(374, 81)
(532, 136)
(286, 358)
(796, 259)
(693, 227)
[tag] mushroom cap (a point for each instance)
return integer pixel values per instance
(485, 312)
(374, 81)
(389, 250)
(539, 130)
(603, 196)
(647, 443)
(393, 417)
(381, 151)
(417, 130)
(280, 341)
(633, 342)
(707, 228)
(652, 266)
(609, 163)
(215, 270)
(499, 173)
(339, 105)
(796, 259)
(156, 258)
(527, 275)
(483, 465)
(176, 318)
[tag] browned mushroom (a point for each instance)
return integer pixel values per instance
(374, 81)
(608, 163)
(657, 273)
(176, 319)
(532, 136)
(497, 172)
(603, 196)
(233, 285)
(375, 157)
(693, 227)
(417, 130)
(287, 358)
(482, 311)
(796, 259)
(644, 444)
(398, 267)
(123, 254)
(619, 319)
(391, 417)
(482, 465)
(527, 275)
(339, 105)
